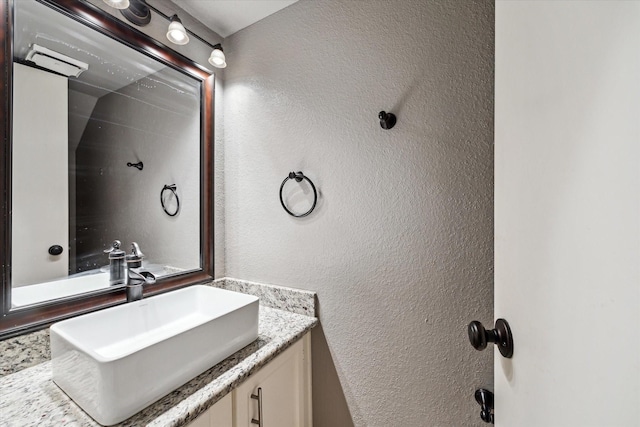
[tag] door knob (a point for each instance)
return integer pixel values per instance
(485, 399)
(501, 336)
(55, 250)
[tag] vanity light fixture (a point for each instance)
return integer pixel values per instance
(118, 4)
(176, 33)
(217, 58)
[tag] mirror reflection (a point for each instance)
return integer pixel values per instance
(106, 146)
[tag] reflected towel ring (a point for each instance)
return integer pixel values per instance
(171, 188)
(299, 176)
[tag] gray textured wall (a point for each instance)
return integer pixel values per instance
(400, 247)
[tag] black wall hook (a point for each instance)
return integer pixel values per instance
(138, 165)
(387, 120)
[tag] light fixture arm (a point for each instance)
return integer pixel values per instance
(168, 18)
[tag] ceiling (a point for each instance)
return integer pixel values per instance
(226, 17)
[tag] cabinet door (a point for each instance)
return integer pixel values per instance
(285, 386)
(219, 415)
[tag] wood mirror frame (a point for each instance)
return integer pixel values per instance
(22, 320)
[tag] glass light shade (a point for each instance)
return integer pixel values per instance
(217, 59)
(118, 4)
(176, 32)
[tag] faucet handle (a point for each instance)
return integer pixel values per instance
(135, 250)
(114, 246)
(134, 259)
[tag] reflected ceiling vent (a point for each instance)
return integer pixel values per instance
(56, 62)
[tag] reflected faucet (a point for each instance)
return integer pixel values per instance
(135, 277)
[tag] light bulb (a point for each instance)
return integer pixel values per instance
(176, 32)
(217, 58)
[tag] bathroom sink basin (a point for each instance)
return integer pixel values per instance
(117, 361)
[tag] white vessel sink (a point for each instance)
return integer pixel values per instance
(117, 361)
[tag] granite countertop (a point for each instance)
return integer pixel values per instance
(29, 397)
(23, 352)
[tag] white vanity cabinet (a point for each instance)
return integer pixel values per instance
(219, 415)
(284, 387)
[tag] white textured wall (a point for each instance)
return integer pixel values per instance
(219, 267)
(400, 247)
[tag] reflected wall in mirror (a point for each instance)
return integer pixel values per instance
(101, 120)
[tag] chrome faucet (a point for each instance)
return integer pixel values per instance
(136, 278)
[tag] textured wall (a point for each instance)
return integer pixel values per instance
(219, 267)
(400, 247)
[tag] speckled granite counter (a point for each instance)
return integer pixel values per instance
(24, 351)
(30, 398)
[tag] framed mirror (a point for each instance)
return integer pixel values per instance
(107, 136)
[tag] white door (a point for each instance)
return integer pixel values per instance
(40, 193)
(567, 212)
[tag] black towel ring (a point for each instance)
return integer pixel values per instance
(171, 188)
(299, 176)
